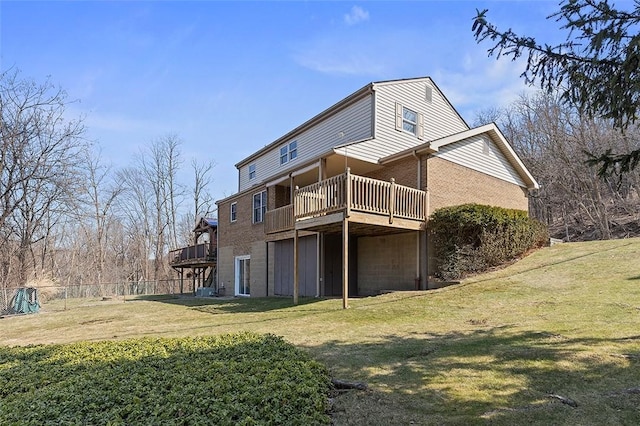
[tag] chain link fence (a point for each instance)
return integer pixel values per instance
(104, 290)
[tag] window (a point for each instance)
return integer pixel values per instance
(293, 150)
(252, 171)
(409, 120)
(243, 275)
(284, 154)
(234, 212)
(288, 152)
(259, 206)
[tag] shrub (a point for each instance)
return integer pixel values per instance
(233, 379)
(472, 238)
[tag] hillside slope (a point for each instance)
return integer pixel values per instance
(552, 339)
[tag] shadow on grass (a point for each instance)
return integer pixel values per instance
(634, 278)
(232, 305)
(495, 375)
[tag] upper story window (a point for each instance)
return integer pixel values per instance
(288, 152)
(252, 171)
(409, 120)
(259, 206)
(233, 214)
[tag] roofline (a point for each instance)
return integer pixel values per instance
(258, 187)
(426, 78)
(342, 104)
(491, 129)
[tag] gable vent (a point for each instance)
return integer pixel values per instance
(428, 94)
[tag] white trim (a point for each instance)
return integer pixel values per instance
(236, 273)
(263, 206)
(231, 218)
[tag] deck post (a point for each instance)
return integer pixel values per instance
(296, 284)
(345, 263)
(347, 184)
(392, 199)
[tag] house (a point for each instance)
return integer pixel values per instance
(339, 205)
(198, 260)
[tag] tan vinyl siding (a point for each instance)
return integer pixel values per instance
(437, 117)
(355, 123)
(481, 154)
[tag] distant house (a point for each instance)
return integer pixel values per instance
(339, 205)
(197, 262)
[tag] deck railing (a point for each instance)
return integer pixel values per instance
(348, 192)
(359, 193)
(200, 251)
(278, 220)
(321, 198)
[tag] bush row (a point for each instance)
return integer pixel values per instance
(472, 238)
(234, 379)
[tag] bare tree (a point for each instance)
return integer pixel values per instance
(100, 194)
(203, 203)
(135, 207)
(554, 140)
(151, 203)
(39, 151)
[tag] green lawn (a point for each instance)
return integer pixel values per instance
(502, 348)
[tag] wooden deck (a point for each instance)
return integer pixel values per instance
(196, 255)
(371, 203)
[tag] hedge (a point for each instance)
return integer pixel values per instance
(233, 379)
(472, 238)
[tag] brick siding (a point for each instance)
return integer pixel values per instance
(451, 184)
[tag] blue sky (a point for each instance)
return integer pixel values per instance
(231, 77)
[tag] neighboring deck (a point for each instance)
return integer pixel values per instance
(198, 255)
(367, 203)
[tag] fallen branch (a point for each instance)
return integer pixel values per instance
(627, 356)
(570, 402)
(342, 384)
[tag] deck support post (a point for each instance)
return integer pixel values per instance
(296, 283)
(345, 263)
(392, 200)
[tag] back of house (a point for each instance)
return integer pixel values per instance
(338, 206)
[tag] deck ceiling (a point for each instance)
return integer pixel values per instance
(336, 164)
(360, 229)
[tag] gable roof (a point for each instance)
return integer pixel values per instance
(354, 97)
(337, 107)
(490, 130)
(205, 224)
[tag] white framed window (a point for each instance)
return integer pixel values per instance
(243, 275)
(233, 214)
(288, 152)
(259, 206)
(284, 154)
(252, 171)
(293, 150)
(409, 120)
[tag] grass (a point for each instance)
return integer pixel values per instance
(502, 348)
